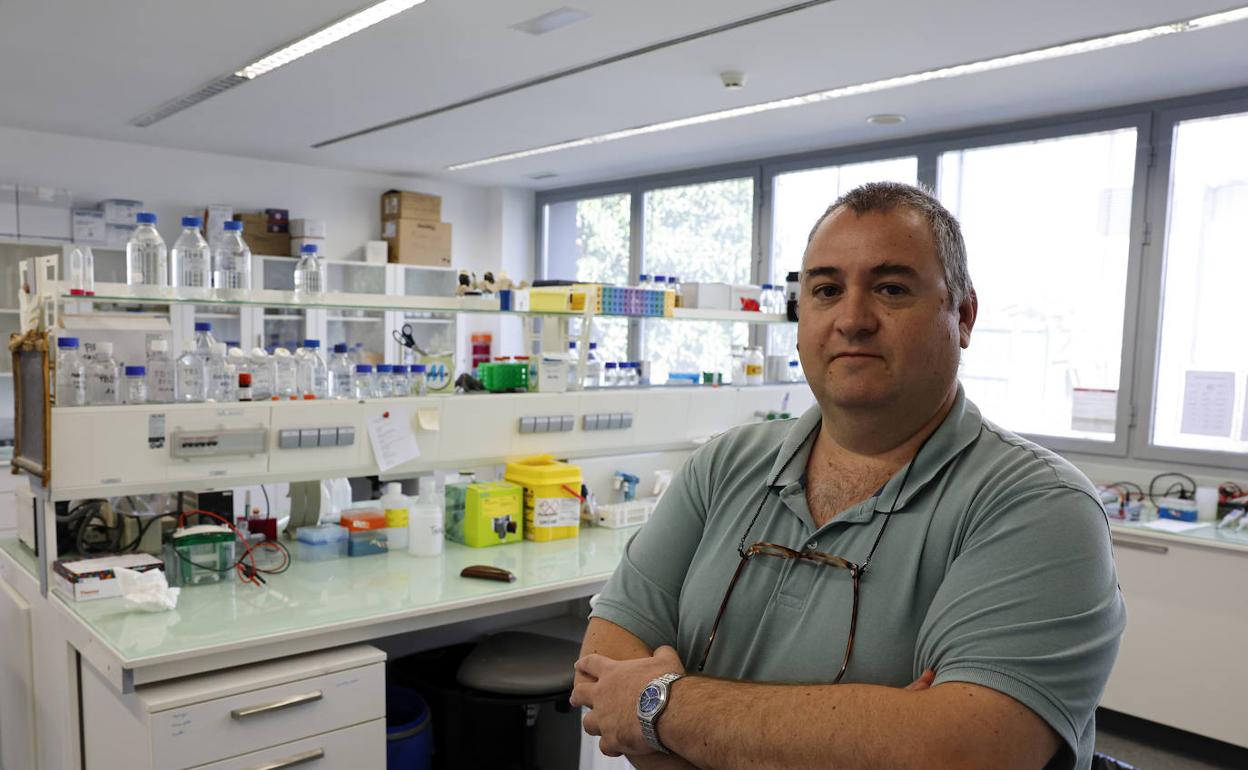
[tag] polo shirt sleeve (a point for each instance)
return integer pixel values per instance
(1030, 607)
(643, 595)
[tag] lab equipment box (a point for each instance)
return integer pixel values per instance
(484, 514)
(552, 496)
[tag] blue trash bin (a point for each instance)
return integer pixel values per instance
(409, 730)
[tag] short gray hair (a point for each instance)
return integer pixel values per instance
(885, 196)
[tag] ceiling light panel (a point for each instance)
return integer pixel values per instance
(971, 68)
(549, 22)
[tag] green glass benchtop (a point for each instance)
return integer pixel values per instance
(350, 591)
(1208, 535)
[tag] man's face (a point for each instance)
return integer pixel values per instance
(875, 329)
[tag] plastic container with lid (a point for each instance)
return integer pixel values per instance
(395, 507)
(425, 524)
(552, 502)
(366, 532)
(754, 362)
(328, 541)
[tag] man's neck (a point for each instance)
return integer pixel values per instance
(873, 439)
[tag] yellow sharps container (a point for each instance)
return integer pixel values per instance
(552, 502)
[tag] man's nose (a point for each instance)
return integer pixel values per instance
(856, 315)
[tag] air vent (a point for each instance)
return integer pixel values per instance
(549, 22)
(543, 175)
(189, 100)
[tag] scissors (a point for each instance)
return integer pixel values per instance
(404, 337)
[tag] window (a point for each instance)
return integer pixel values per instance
(1202, 364)
(1047, 228)
(799, 199)
(588, 240)
(699, 232)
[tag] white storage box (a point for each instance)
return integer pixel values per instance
(118, 211)
(707, 296)
(86, 579)
(376, 252)
(89, 227)
(43, 212)
(307, 228)
(742, 291)
(298, 243)
(8, 209)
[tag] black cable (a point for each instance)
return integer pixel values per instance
(268, 509)
(1184, 493)
(1125, 484)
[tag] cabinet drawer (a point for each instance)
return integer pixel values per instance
(362, 747)
(204, 732)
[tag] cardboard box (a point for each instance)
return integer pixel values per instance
(307, 228)
(296, 244)
(86, 579)
(44, 212)
(415, 242)
(707, 296)
(8, 209)
(89, 227)
(117, 236)
(400, 204)
(278, 220)
(253, 223)
(267, 244)
(118, 211)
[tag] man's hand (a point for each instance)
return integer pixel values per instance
(610, 690)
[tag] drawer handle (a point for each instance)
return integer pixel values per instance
(277, 705)
(297, 759)
(1138, 546)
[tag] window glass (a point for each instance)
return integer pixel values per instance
(1047, 229)
(1202, 364)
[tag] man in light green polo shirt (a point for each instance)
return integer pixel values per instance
(911, 585)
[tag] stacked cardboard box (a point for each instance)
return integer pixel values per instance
(260, 239)
(411, 223)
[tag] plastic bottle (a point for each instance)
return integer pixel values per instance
(312, 373)
(191, 381)
(383, 383)
(394, 504)
(286, 375)
(754, 364)
(146, 255)
(401, 380)
(263, 374)
(71, 375)
(160, 373)
(611, 378)
(103, 377)
(136, 385)
(341, 372)
(221, 381)
(419, 385)
(79, 271)
(593, 367)
(191, 258)
(231, 262)
(424, 521)
(362, 383)
(309, 272)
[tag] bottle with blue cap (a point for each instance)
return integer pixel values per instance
(136, 385)
(146, 255)
(231, 262)
(203, 340)
(190, 260)
(311, 372)
(71, 373)
(362, 386)
(310, 272)
(341, 372)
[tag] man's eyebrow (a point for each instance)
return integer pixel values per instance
(882, 269)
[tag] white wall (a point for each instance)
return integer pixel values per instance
(490, 225)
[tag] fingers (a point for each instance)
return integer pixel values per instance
(923, 682)
(592, 665)
(590, 723)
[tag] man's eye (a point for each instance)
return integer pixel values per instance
(827, 292)
(894, 290)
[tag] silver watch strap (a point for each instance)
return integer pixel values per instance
(650, 727)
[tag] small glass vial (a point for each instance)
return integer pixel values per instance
(244, 386)
(611, 378)
(401, 380)
(362, 385)
(136, 385)
(419, 381)
(795, 371)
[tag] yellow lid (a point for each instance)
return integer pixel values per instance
(542, 469)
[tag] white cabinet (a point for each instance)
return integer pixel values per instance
(1181, 659)
(17, 700)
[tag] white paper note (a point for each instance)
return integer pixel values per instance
(1093, 409)
(392, 437)
(1208, 402)
(1169, 525)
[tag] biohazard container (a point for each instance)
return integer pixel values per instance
(552, 497)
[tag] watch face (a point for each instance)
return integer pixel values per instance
(650, 701)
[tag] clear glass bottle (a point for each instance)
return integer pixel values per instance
(263, 374)
(660, 282)
(593, 367)
(634, 374)
(161, 388)
(190, 260)
(286, 374)
(146, 255)
(231, 262)
(673, 285)
(795, 371)
(572, 361)
(765, 300)
(244, 387)
(309, 272)
(135, 391)
(643, 281)
(341, 373)
(383, 383)
(191, 381)
(362, 382)
(221, 380)
(71, 375)
(312, 373)
(203, 339)
(401, 380)
(611, 377)
(103, 377)
(419, 385)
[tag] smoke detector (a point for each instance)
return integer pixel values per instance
(732, 79)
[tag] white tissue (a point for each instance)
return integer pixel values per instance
(147, 591)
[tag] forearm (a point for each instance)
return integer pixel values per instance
(722, 725)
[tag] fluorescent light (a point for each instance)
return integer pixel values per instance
(943, 73)
(356, 22)
(549, 22)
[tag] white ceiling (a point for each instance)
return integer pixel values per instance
(88, 69)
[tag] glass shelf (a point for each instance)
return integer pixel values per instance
(117, 292)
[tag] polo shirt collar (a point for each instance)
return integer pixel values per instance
(960, 428)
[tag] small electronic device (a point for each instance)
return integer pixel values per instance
(189, 445)
(487, 572)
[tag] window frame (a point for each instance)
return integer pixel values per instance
(1154, 124)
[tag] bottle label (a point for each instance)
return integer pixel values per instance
(753, 370)
(396, 517)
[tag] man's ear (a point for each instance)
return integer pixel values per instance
(967, 313)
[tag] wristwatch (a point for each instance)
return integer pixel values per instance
(650, 704)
